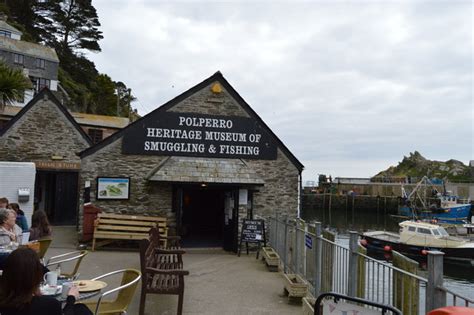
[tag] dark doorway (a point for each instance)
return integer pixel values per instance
(206, 217)
(56, 194)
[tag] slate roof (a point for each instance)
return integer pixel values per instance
(200, 170)
(80, 118)
(45, 92)
(27, 48)
(215, 77)
(7, 27)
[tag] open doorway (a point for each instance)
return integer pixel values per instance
(206, 217)
(56, 193)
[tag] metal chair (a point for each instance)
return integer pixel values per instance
(68, 257)
(44, 245)
(126, 290)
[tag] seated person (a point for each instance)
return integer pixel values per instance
(40, 227)
(9, 231)
(20, 289)
(20, 217)
(3, 203)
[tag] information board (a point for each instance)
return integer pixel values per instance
(253, 231)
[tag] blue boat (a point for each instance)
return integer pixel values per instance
(446, 210)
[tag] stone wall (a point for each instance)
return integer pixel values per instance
(41, 132)
(280, 192)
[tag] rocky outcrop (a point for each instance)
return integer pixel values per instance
(415, 165)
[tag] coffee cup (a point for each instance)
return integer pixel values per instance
(51, 278)
(65, 290)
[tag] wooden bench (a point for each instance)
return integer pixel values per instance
(110, 227)
(164, 242)
(162, 272)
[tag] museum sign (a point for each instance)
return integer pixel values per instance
(190, 134)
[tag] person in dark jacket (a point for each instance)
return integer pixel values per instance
(20, 289)
(20, 217)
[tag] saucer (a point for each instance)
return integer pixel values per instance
(48, 290)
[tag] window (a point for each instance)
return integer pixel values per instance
(18, 59)
(435, 232)
(95, 135)
(5, 33)
(411, 228)
(40, 63)
(424, 231)
(40, 83)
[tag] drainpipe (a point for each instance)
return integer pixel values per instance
(300, 191)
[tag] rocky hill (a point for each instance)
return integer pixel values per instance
(415, 165)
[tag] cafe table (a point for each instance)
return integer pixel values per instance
(93, 289)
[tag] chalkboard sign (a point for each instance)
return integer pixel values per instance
(253, 231)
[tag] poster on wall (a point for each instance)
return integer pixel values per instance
(113, 188)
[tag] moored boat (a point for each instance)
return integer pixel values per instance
(417, 238)
(445, 208)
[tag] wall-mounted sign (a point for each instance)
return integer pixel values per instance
(57, 165)
(192, 134)
(113, 188)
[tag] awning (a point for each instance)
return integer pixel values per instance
(203, 170)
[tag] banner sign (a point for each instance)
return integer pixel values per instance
(192, 134)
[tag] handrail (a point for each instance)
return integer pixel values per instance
(442, 288)
(384, 307)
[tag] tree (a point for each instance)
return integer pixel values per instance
(33, 18)
(12, 85)
(76, 24)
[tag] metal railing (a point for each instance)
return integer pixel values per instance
(314, 254)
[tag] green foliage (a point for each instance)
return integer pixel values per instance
(71, 26)
(415, 165)
(12, 84)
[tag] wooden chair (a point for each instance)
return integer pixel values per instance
(126, 290)
(76, 256)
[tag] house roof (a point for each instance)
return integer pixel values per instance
(7, 27)
(27, 48)
(45, 92)
(81, 118)
(215, 77)
(204, 170)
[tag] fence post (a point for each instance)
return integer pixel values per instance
(318, 273)
(353, 262)
(435, 298)
(285, 247)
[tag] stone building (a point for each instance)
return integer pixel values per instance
(38, 62)
(204, 159)
(45, 133)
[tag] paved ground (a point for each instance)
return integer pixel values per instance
(219, 282)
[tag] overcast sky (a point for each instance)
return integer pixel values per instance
(350, 87)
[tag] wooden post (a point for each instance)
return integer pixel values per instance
(329, 207)
(353, 202)
(353, 263)
(435, 298)
(405, 288)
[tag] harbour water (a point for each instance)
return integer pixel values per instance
(457, 277)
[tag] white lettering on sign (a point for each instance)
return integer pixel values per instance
(174, 147)
(186, 135)
(205, 122)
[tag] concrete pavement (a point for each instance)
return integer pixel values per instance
(219, 282)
